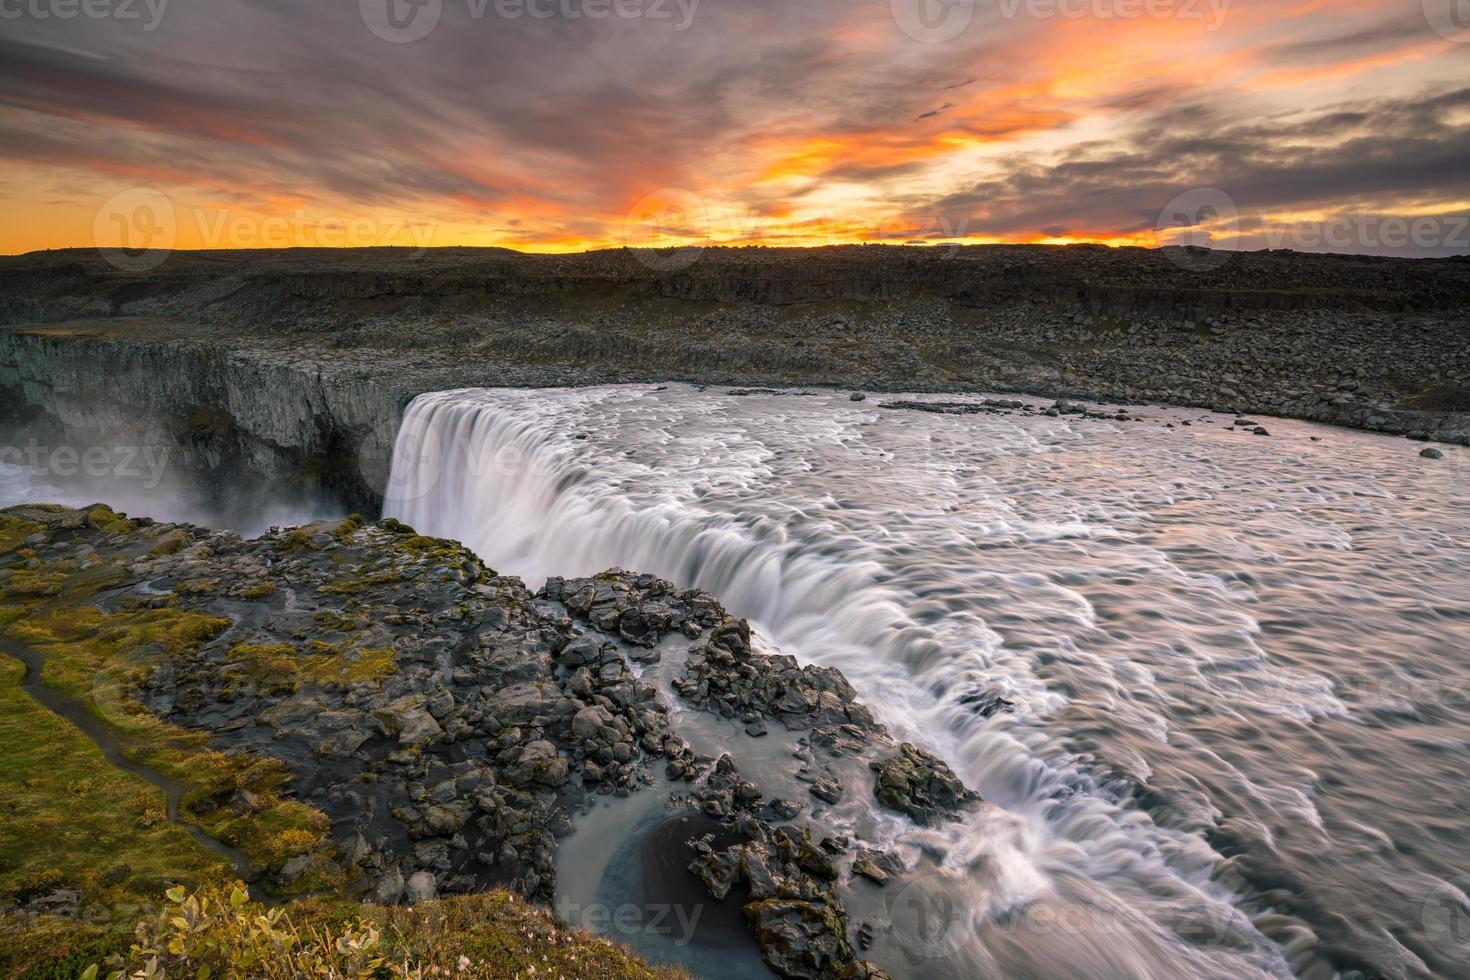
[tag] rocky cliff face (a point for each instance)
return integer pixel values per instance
(295, 367)
(242, 417)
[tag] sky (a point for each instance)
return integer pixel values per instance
(555, 125)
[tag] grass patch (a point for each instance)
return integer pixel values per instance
(218, 931)
(14, 531)
(260, 590)
(280, 668)
(96, 658)
(73, 820)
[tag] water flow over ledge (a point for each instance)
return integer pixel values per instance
(1145, 644)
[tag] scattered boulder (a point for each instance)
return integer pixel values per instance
(922, 787)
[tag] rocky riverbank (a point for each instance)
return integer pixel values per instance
(359, 710)
(260, 367)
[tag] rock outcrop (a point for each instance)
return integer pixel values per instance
(451, 725)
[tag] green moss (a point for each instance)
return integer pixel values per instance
(297, 540)
(74, 820)
(104, 518)
(279, 668)
(421, 545)
(350, 526)
(273, 666)
(395, 526)
(198, 586)
(338, 620)
(89, 581)
(171, 543)
(328, 663)
(260, 590)
(357, 584)
(33, 583)
(57, 949)
(97, 659)
(14, 531)
(218, 931)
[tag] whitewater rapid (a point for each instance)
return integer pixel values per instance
(1165, 607)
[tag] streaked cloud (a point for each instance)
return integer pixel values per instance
(762, 121)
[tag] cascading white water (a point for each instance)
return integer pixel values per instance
(1103, 578)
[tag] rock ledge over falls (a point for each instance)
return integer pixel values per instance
(294, 367)
(435, 727)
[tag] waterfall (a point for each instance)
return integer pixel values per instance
(831, 532)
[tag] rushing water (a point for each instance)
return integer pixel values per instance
(1238, 665)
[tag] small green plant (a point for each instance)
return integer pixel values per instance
(218, 931)
(210, 934)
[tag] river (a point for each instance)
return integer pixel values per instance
(1214, 685)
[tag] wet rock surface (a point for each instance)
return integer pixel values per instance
(786, 879)
(452, 725)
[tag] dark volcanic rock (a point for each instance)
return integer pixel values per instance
(917, 784)
(451, 725)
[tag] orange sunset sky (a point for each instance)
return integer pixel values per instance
(591, 123)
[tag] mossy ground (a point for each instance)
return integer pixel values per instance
(96, 658)
(283, 667)
(70, 819)
(494, 934)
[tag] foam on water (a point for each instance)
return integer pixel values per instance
(1164, 607)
